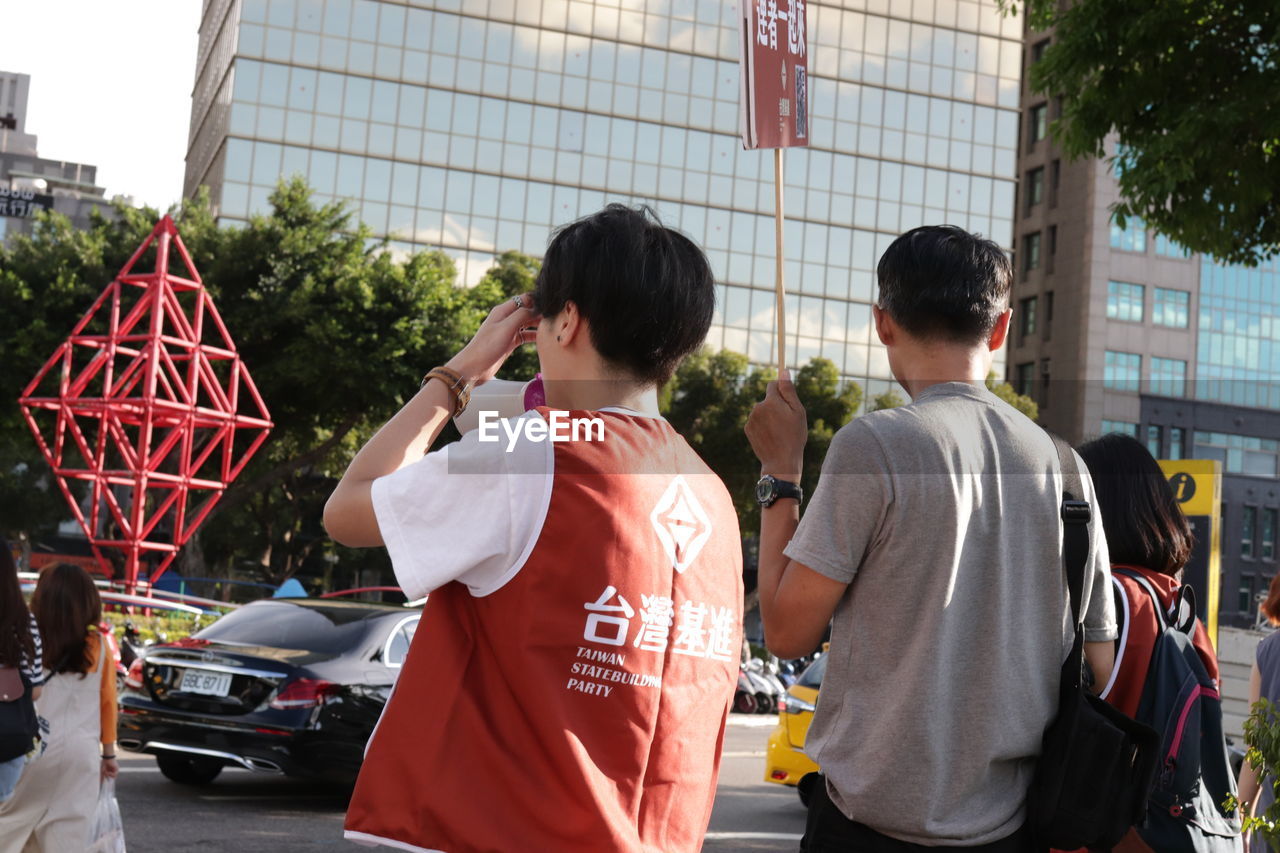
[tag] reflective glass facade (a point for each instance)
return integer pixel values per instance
(478, 126)
(1238, 352)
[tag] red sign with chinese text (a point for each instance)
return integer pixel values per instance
(774, 99)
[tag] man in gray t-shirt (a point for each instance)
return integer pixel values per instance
(933, 546)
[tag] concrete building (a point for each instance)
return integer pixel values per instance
(1121, 330)
(30, 183)
(480, 125)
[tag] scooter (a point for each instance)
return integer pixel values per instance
(744, 698)
(773, 673)
(131, 645)
(767, 691)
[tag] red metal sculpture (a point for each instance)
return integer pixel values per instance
(148, 402)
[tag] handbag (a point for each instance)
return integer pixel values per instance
(18, 724)
(11, 687)
(1096, 765)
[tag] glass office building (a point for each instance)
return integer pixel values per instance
(478, 126)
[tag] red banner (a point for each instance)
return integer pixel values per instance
(774, 99)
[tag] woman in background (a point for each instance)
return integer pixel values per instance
(1147, 534)
(20, 650)
(54, 801)
(1264, 683)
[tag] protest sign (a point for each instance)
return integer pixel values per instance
(774, 103)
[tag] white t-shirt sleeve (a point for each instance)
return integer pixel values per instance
(471, 512)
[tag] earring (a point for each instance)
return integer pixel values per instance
(557, 339)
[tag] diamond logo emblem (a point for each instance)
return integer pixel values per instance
(681, 524)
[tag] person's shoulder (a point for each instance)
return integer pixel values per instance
(1269, 648)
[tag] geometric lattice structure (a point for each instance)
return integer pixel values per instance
(148, 404)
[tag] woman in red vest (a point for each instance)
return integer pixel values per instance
(569, 686)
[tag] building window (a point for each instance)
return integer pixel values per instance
(1269, 533)
(1246, 593)
(1131, 238)
(1124, 301)
(1044, 382)
(1239, 454)
(1122, 371)
(1027, 321)
(1048, 315)
(1248, 530)
(1122, 427)
(1177, 443)
(1025, 378)
(1168, 377)
(1170, 249)
(1038, 124)
(1031, 252)
(1055, 177)
(1035, 187)
(1171, 308)
(1155, 434)
(1038, 49)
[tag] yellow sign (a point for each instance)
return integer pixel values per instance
(1197, 485)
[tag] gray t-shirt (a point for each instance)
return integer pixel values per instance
(946, 649)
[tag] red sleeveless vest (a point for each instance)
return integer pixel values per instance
(581, 706)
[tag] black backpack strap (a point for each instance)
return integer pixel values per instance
(1076, 513)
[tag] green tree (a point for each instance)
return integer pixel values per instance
(336, 332)
(1021, 402)
(1192, 89)
(711, 396)
(890, 399)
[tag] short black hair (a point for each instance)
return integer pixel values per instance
(645, 290)
(1140, 516)
(940, 282)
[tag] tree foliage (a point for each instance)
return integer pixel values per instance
(335, 330)
(890, 399)
(711, 396)
(1262, 739)
(1021, 402)
(1193, 91)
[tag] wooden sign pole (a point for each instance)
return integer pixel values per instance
(779, 278)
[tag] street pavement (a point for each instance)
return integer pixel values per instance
(244, 812)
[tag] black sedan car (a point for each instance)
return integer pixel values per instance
(290, 686)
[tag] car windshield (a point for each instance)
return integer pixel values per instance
(326, 628)
(812, 675)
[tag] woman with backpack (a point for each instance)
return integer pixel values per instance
(1166, 671)
(20, 676)
(52, 807)
(1264, 682)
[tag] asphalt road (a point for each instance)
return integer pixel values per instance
(244, 812)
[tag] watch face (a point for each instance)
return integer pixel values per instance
(764, 490)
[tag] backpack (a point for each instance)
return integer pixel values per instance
(1096, 765)
(1181, 701)
(18, 724)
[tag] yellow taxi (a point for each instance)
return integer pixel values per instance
(785, 761)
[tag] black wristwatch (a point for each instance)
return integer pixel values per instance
(770, 488)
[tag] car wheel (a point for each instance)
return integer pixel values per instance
(805, 787)
(744, 703)
(189, 769)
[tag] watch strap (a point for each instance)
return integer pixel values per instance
(787, 489)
